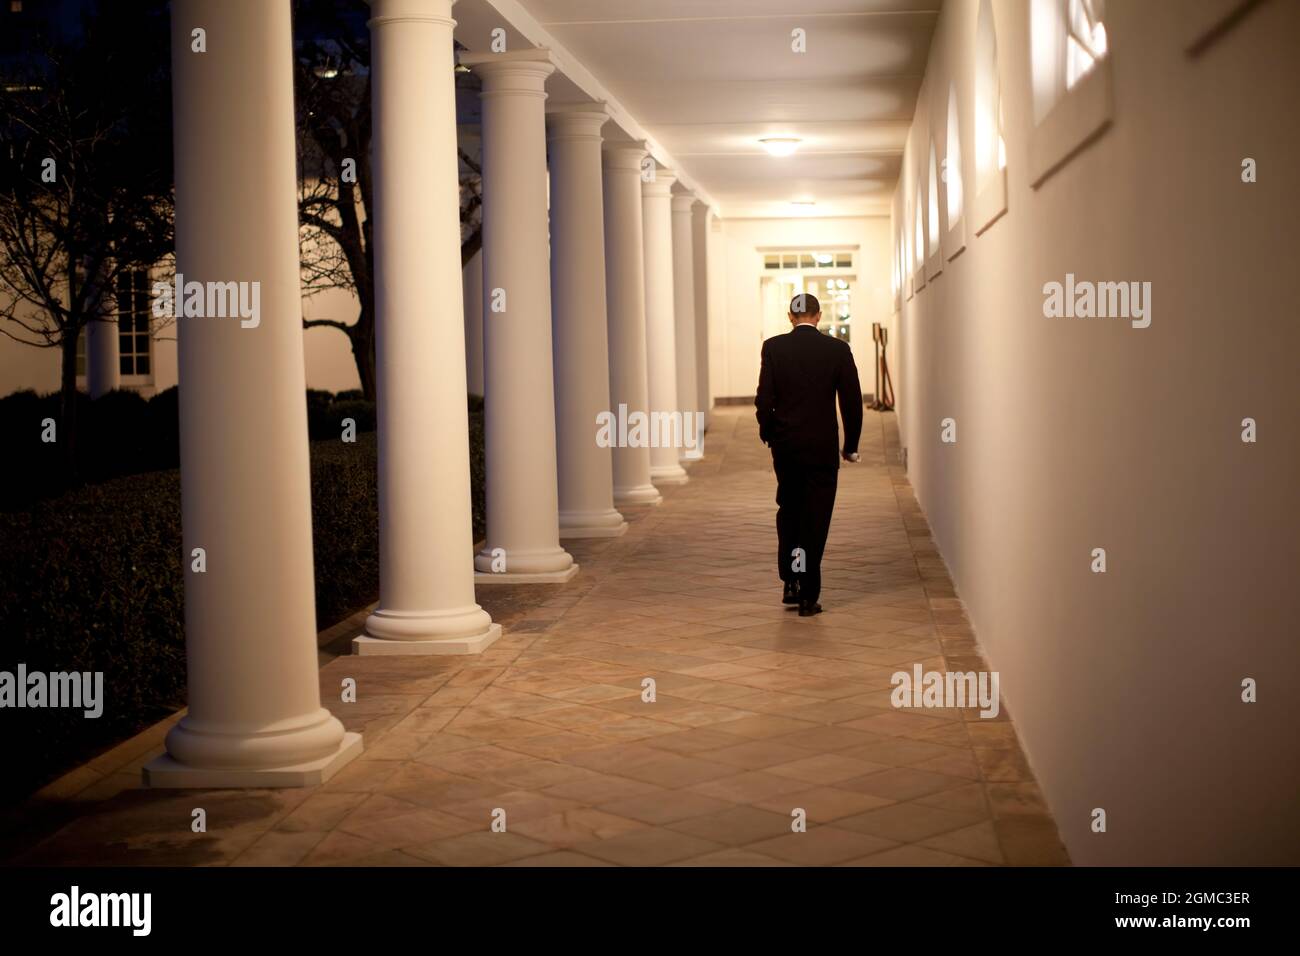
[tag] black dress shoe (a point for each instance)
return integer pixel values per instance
(809, 608)
(790, 594)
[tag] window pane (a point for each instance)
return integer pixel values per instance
(124, 364)
(142, 344)
(806, 261)
(844, 260)
(772, 262)
(142, 365)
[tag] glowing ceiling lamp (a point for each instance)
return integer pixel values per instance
(780, 145)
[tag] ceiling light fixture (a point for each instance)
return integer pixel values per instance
(780, 145)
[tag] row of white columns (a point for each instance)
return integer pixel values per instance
(607, 319)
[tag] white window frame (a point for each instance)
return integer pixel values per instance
(1068, 116)
(918, 232)
(990, 197)
(137, 380)
(954, 226)
(933, 226)
(906, 271)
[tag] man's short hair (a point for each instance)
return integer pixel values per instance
(805, 303)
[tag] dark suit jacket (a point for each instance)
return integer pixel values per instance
(802, 374)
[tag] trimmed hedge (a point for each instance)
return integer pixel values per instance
(122, 433)
(93, 581)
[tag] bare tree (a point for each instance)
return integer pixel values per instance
(335, 182)
(85, 184)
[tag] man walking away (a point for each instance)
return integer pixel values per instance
(803, 373)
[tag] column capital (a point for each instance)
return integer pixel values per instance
(519, 72)
(624, 154)
(424, 11)
(683, 201)
(570, 121)
(661, 186)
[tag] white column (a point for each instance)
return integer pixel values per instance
(103, 348)
(700, 224)
(684, 319)
(661, 335)
(586, 478)
(426, 588)
(625, 307)
(255, 717)
(523, 528)
(472, 284)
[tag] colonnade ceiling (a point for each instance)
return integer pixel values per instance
(706, 81)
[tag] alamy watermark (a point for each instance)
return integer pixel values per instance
(624, 429)
(75, 908)
(946, 689)
(1100, 300)
(209, 300)
(82, 690)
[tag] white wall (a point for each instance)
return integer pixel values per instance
(1075, 434)
(736, 321)
(24, 366)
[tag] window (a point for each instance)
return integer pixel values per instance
(1070, 70)
(952, 179)
(808, 260)
(918, 240)
(134, 343)
(1086, 40)
(933, 256)
(836, 298)
(828, 276)
(905, 261)
(990, 147)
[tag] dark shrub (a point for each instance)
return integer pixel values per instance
(345, 526)
(165, 429)
(114, 437)
(326, 421)
(92, 581)
(477, 467)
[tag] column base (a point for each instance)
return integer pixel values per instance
(669, 475)
(366, 646)
(165, 772)
(592, 524)
(538, 564)
(646, 494)
(594, 532)
(466, 624)
(526, 577)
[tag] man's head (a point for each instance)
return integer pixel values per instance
(805, 309)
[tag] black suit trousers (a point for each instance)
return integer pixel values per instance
(805, 498)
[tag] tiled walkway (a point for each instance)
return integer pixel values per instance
(758, 713)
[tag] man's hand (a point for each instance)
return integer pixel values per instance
(850, 456)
